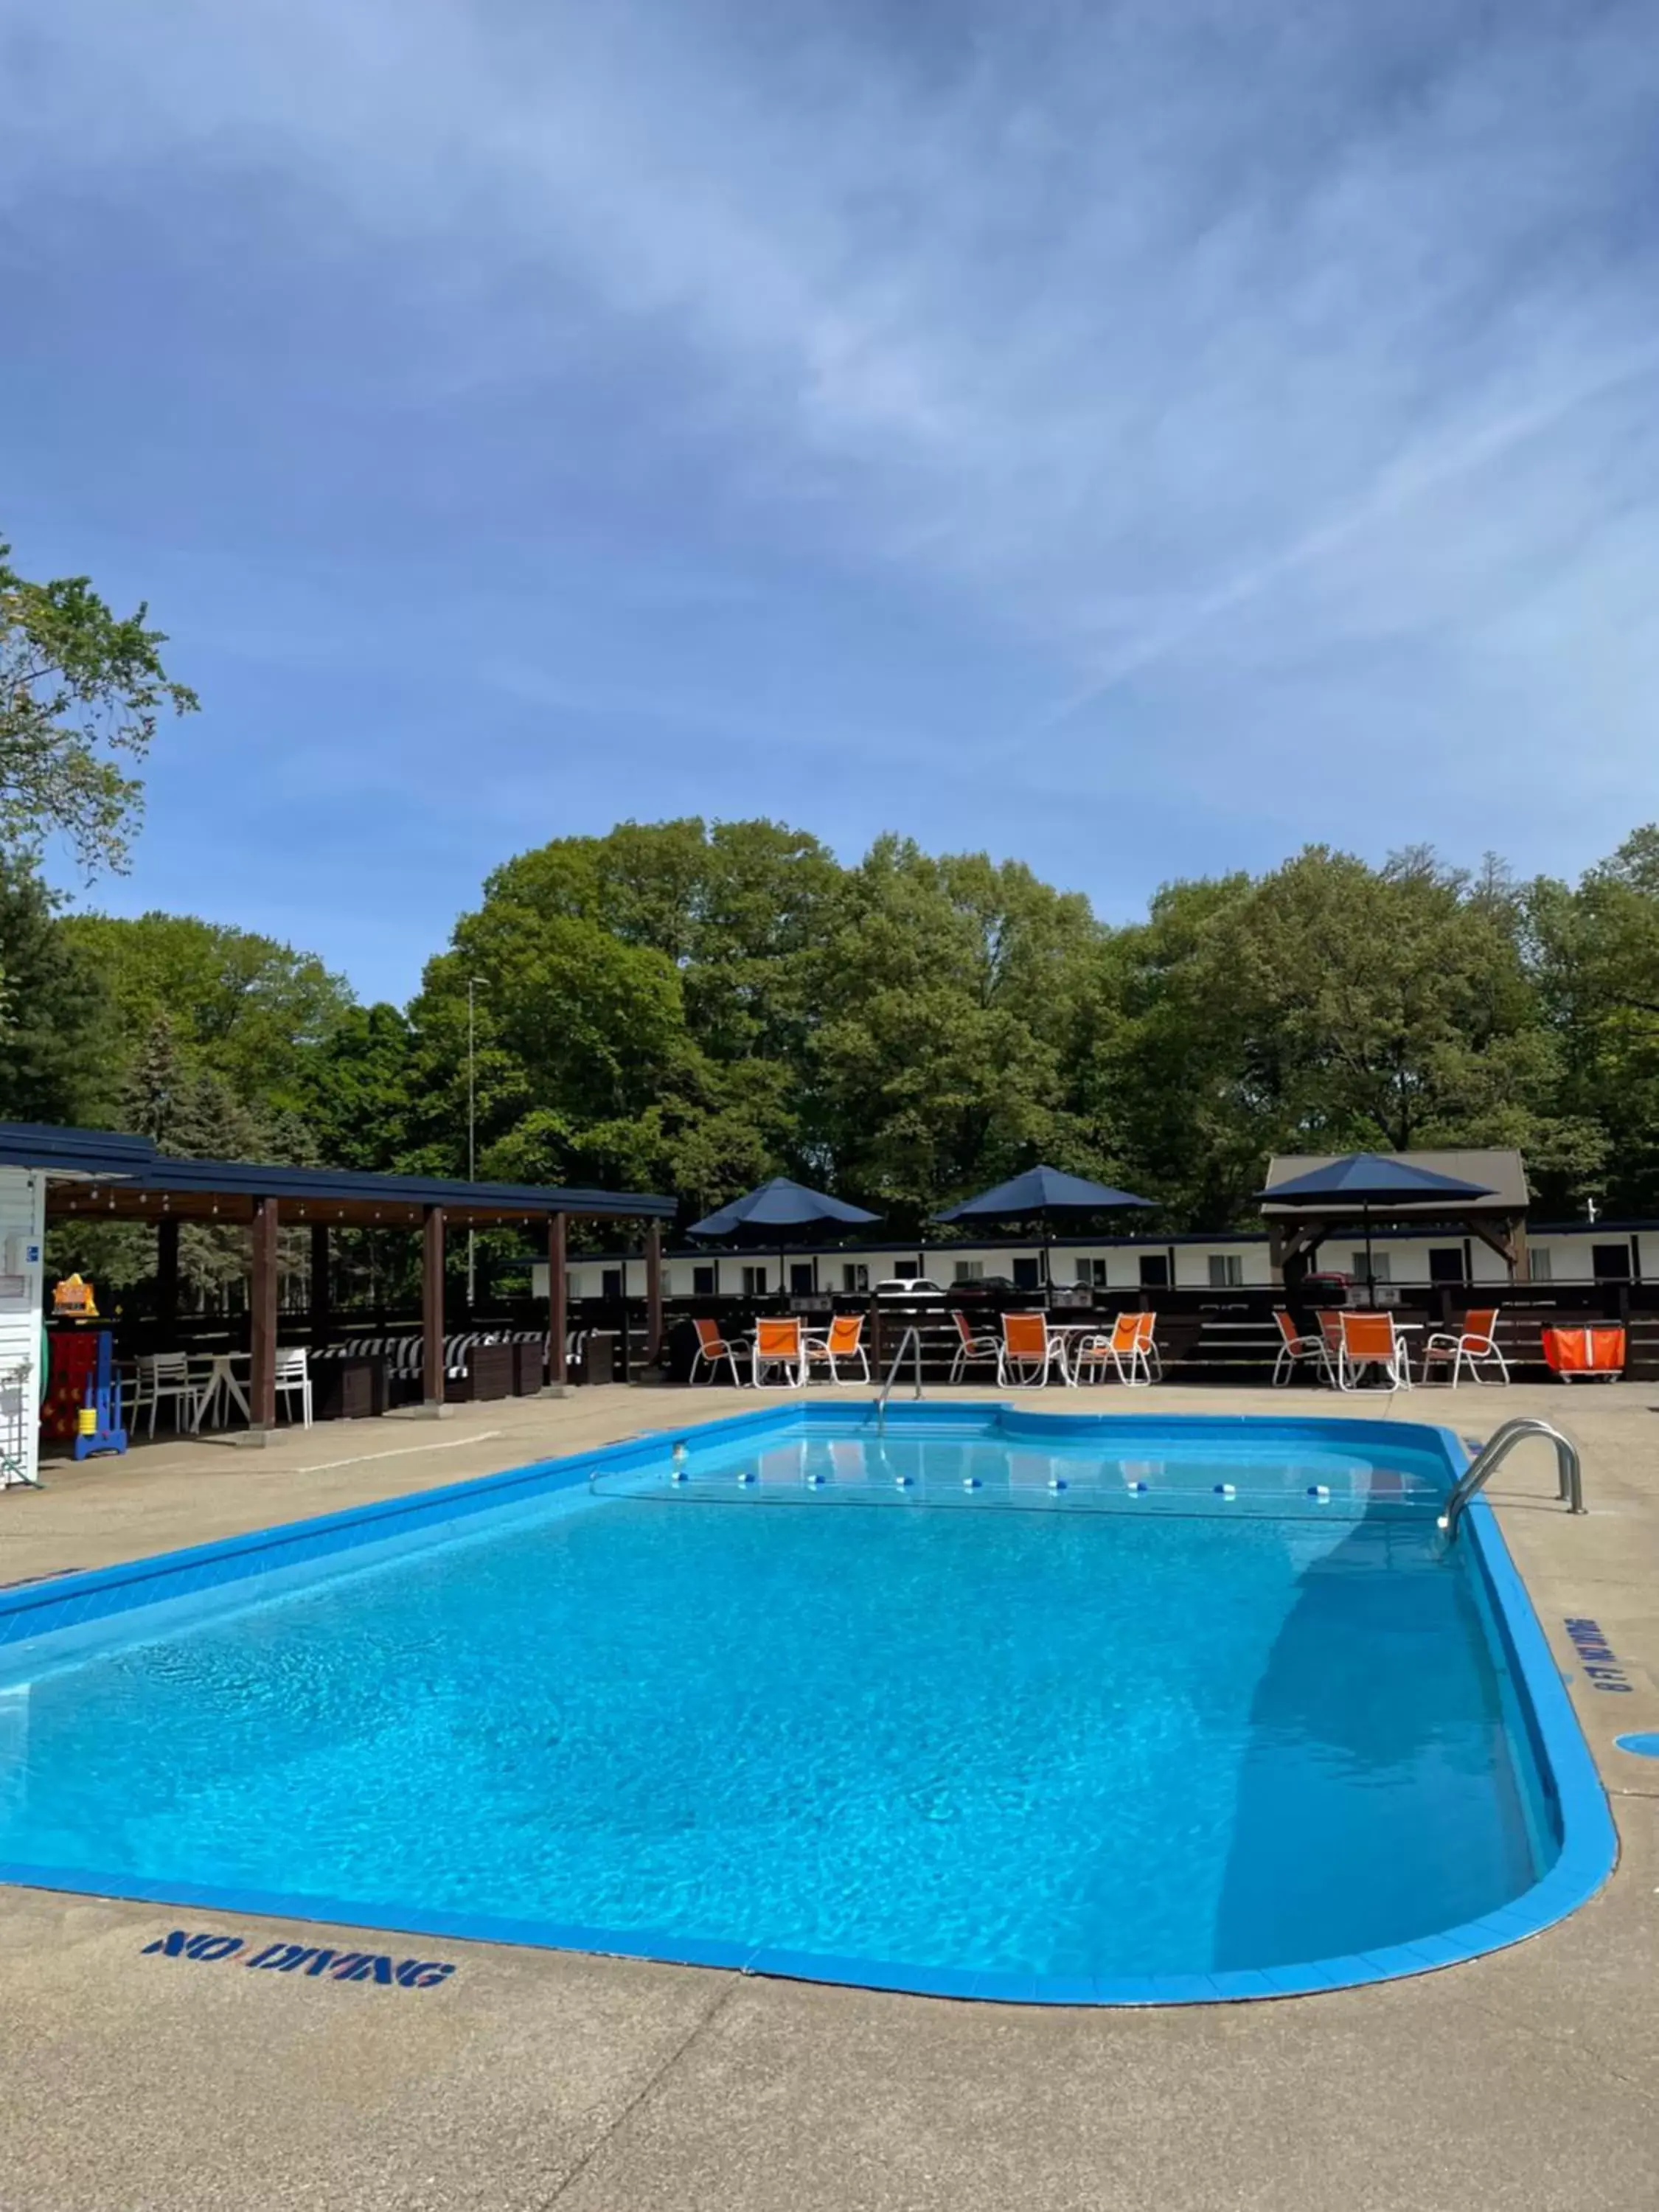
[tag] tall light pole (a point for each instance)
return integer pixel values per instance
(473, 985)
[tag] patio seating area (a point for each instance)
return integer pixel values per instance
(107, 1378)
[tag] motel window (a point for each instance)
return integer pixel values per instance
(1092, 1272)
(610, 1283)
(854, 1276)
(1445, 1263)
(1154, 1271)
(801, 1282)
(906, 1271)
(1226, 1271)
(1027, 1275)
(703, 1282)
(1542, 1265)
(754, 1282)
(1382, 1271)
(1610, 1263)
(971, 1271)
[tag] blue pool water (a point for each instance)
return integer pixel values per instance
(961, 1700)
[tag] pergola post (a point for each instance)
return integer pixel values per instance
(654, 1294)
(1522, 1252)
(432, 1309)
(263, 1320)
(318, 1282)
(167, 1270)
(558, 1305)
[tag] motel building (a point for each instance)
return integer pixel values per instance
(1497, 1248)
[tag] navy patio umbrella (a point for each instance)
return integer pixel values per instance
(1044, 1195)
(763, 1215)
(1363, 1183)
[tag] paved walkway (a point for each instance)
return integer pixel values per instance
(134, 2080)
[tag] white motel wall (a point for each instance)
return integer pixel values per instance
(1577, 1253)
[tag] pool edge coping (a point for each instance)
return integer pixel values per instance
(1587, 1857)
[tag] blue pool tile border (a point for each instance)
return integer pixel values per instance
(38, 1613)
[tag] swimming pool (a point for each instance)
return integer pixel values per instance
(997, 1703)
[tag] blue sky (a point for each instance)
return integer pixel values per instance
(1133, 437)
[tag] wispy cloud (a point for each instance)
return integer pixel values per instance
(1201, 351)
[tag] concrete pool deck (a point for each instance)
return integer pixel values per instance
(137, 2079)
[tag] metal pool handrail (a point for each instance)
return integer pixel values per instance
(910, 1342)
(1497, 1448)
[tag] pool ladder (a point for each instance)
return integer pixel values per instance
(911, 1342)
(1497, 1448)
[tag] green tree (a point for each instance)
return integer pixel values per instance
(1593, 955)
(1330, 1006)
(955, 999)
(357, 1088)
(640, 1003)
(193, 1112)
(250, 1009)
(54, 1013)
(81, 690)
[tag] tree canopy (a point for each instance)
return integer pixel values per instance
(81, 690)
(691, 1007)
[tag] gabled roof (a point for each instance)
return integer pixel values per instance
(1500, 1170)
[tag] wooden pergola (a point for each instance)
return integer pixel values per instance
(94, 1175)
(1499, 1220)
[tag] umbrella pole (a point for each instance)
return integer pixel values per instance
(1370, 1277)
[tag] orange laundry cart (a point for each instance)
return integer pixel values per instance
(1575, 1353)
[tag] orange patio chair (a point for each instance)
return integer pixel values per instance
(712, 1348)
(843, 1343)
(1031, 1352)
(1121, 1351)
(778, 1344)
(1370, 1340)
(1296, 1350)
(1474, 1345)
(971, 1349)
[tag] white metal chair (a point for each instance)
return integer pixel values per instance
(971, 1350)
(164, 1378)
(293, 1376)
(1297, 1350)
(17, 1420)
(712, 1348)
(1473, 1346)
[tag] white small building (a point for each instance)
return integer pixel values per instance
(22, 1239)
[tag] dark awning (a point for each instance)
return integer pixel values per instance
(98, 1172)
